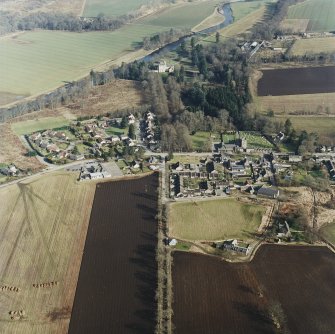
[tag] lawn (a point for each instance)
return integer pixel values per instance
(35, 62)
(113, 130)
(214, 219)
(30, 126)
(185, 15)
(313, 45)
(43, 228)
(202, 141)
(255, 140)
(321, 14)
(111, 8)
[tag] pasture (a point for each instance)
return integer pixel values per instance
(308, 46)
(319, 12)
(111, 8)
(44, 123)
(36, 62)
(118, 274)
(240, 297)
(43, 229)
(243, 9)
(214, 219)
(184, 15)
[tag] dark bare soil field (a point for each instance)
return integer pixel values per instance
(118, 274)
(213, 296)
(292, 81)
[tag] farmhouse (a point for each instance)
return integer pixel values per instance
(162, 67)
(268, 192)
(11, 170)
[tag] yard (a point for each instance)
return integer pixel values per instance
(214, 219)
(43, 229)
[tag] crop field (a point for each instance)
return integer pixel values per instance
(117, 280)
(214, 219)
(43, 229)
(319, 12)
(307, 80)
(185, 15)
(295, 25)
(44, 123)
(111, 8)
(36, 62)
(308, 46)
(239, 297)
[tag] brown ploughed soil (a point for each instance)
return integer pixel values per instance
(118, 278)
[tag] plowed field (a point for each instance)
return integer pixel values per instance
(291, 81)
(117, 280)
(212, 296)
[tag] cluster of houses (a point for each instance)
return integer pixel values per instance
(61, 145)
(93, 171)
(218, 174)
(148, 130)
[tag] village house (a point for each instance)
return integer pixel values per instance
(268, 192)
(10, 170)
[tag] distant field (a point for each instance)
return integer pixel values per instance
(40, 61)
(308, 46)
(242, 9)
(111, 7)
(27, 127)
(214, 219)
(296, 25)
(321, 14)
(185, 15)
(43, 228)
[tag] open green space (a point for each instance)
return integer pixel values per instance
(202, 140)
(111, 8)
(214, 219)
(321, 14)
(186, 15)
(328, 232)
(39, 61)
(242, 9)
(30, 126)
(324, 126)
(113, 130)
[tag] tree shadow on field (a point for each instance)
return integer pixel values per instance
(146, 282)
(259, 322)
(149, 213)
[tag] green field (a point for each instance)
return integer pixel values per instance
(214, 220)
(186, 15)
(323, 126)
(111, 8)
(328, 232)
(242, 9)
(36, 62)
(321, 14)
(27, 127)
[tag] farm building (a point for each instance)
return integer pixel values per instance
(234, 245)
(268, 192)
